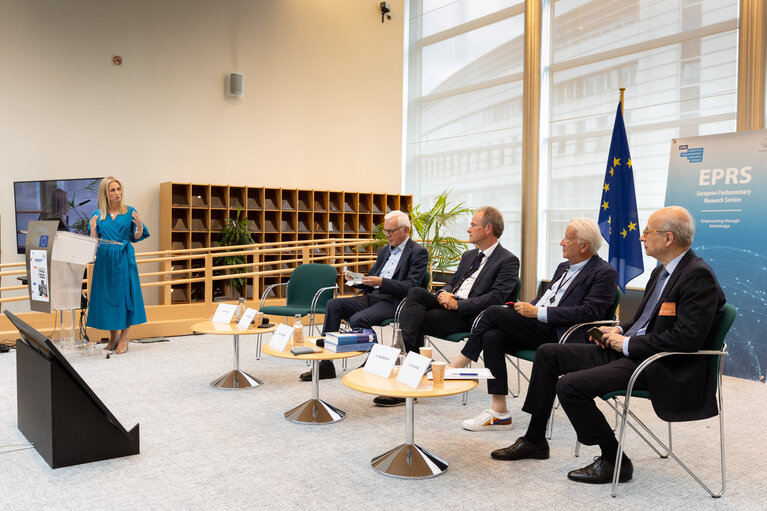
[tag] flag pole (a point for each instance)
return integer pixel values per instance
(622, 89)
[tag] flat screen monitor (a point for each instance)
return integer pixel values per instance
(45, 347)
(71, 201)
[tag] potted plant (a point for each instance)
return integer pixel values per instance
(428, 227)
(234, 232)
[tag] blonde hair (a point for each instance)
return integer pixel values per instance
(104, 197)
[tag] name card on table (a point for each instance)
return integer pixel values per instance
(247, 318)
(413, 369)
(281, 337)
(224, 313)
(381, 360)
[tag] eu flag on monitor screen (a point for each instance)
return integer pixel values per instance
(618, 218)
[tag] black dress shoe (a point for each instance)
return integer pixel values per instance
(390, 401)
(327, 371)
(601, 472)
(522, 449)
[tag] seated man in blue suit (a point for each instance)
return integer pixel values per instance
(400, 265)
(485, 276)
(582, 289)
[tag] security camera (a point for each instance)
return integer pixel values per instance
(385, 9)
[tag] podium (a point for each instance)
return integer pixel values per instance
(56, 262)
(58, 412)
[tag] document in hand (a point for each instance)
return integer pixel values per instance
(356, 279)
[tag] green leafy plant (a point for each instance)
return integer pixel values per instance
(235, 232)
(82, 225)
(428, 226)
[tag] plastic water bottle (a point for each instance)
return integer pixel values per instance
(298, 331)
(398, 343)
(240, 309)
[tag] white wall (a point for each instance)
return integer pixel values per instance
(322, 106)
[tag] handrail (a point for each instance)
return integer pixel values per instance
(328, 250)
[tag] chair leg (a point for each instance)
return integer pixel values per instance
(465, 396)
(434, 346)
(550, 427)
(515, 365)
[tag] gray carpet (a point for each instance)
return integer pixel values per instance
(204, 448)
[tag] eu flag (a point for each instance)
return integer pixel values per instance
(618, 219)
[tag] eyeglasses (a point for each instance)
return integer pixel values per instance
(646, 231)
(390, 232)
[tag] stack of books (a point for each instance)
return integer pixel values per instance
(341, 342)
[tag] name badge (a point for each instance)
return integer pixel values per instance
(224, 313)
(413, 368)
(280, 337)
(381, 360)
(247, 318)
(667, 309)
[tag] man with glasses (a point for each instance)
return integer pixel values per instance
(400, 266)
(679, 311)
(485, 276)
(582, 289)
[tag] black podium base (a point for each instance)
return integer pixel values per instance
(64, 419)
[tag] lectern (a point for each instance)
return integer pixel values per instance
(58, 412)
(56, 262)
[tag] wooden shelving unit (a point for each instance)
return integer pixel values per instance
(192, 215)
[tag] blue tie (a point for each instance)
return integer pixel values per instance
(649, 306)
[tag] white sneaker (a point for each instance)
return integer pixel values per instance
(487, 421)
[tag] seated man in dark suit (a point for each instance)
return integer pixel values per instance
(400, 265)
(582, 289)
(680, 310)
(485, 276)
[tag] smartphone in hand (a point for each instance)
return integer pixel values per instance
(595, 334)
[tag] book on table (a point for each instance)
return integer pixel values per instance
(343, 348)
(366, 336)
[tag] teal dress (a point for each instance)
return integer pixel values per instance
(116, 302)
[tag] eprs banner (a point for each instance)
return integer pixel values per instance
(722, 181)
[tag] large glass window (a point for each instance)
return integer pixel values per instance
(677, 61)
(465, 106)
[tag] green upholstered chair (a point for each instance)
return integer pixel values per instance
(716, 352)
(308, 290)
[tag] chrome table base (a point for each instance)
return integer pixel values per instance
(236, 379)
(409, 461)
(315, 411)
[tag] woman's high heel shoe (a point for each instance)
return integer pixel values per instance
(120, 351)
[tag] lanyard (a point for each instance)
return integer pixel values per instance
(563, 281)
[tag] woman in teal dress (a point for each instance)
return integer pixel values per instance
(116, 301)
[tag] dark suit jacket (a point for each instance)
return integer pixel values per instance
(494, 284)
(410, 272)
(587, 298)
(681, 387)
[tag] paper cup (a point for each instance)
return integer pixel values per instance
(438, 372)
(426, 352)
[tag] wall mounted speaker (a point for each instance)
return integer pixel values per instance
(235, 85)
